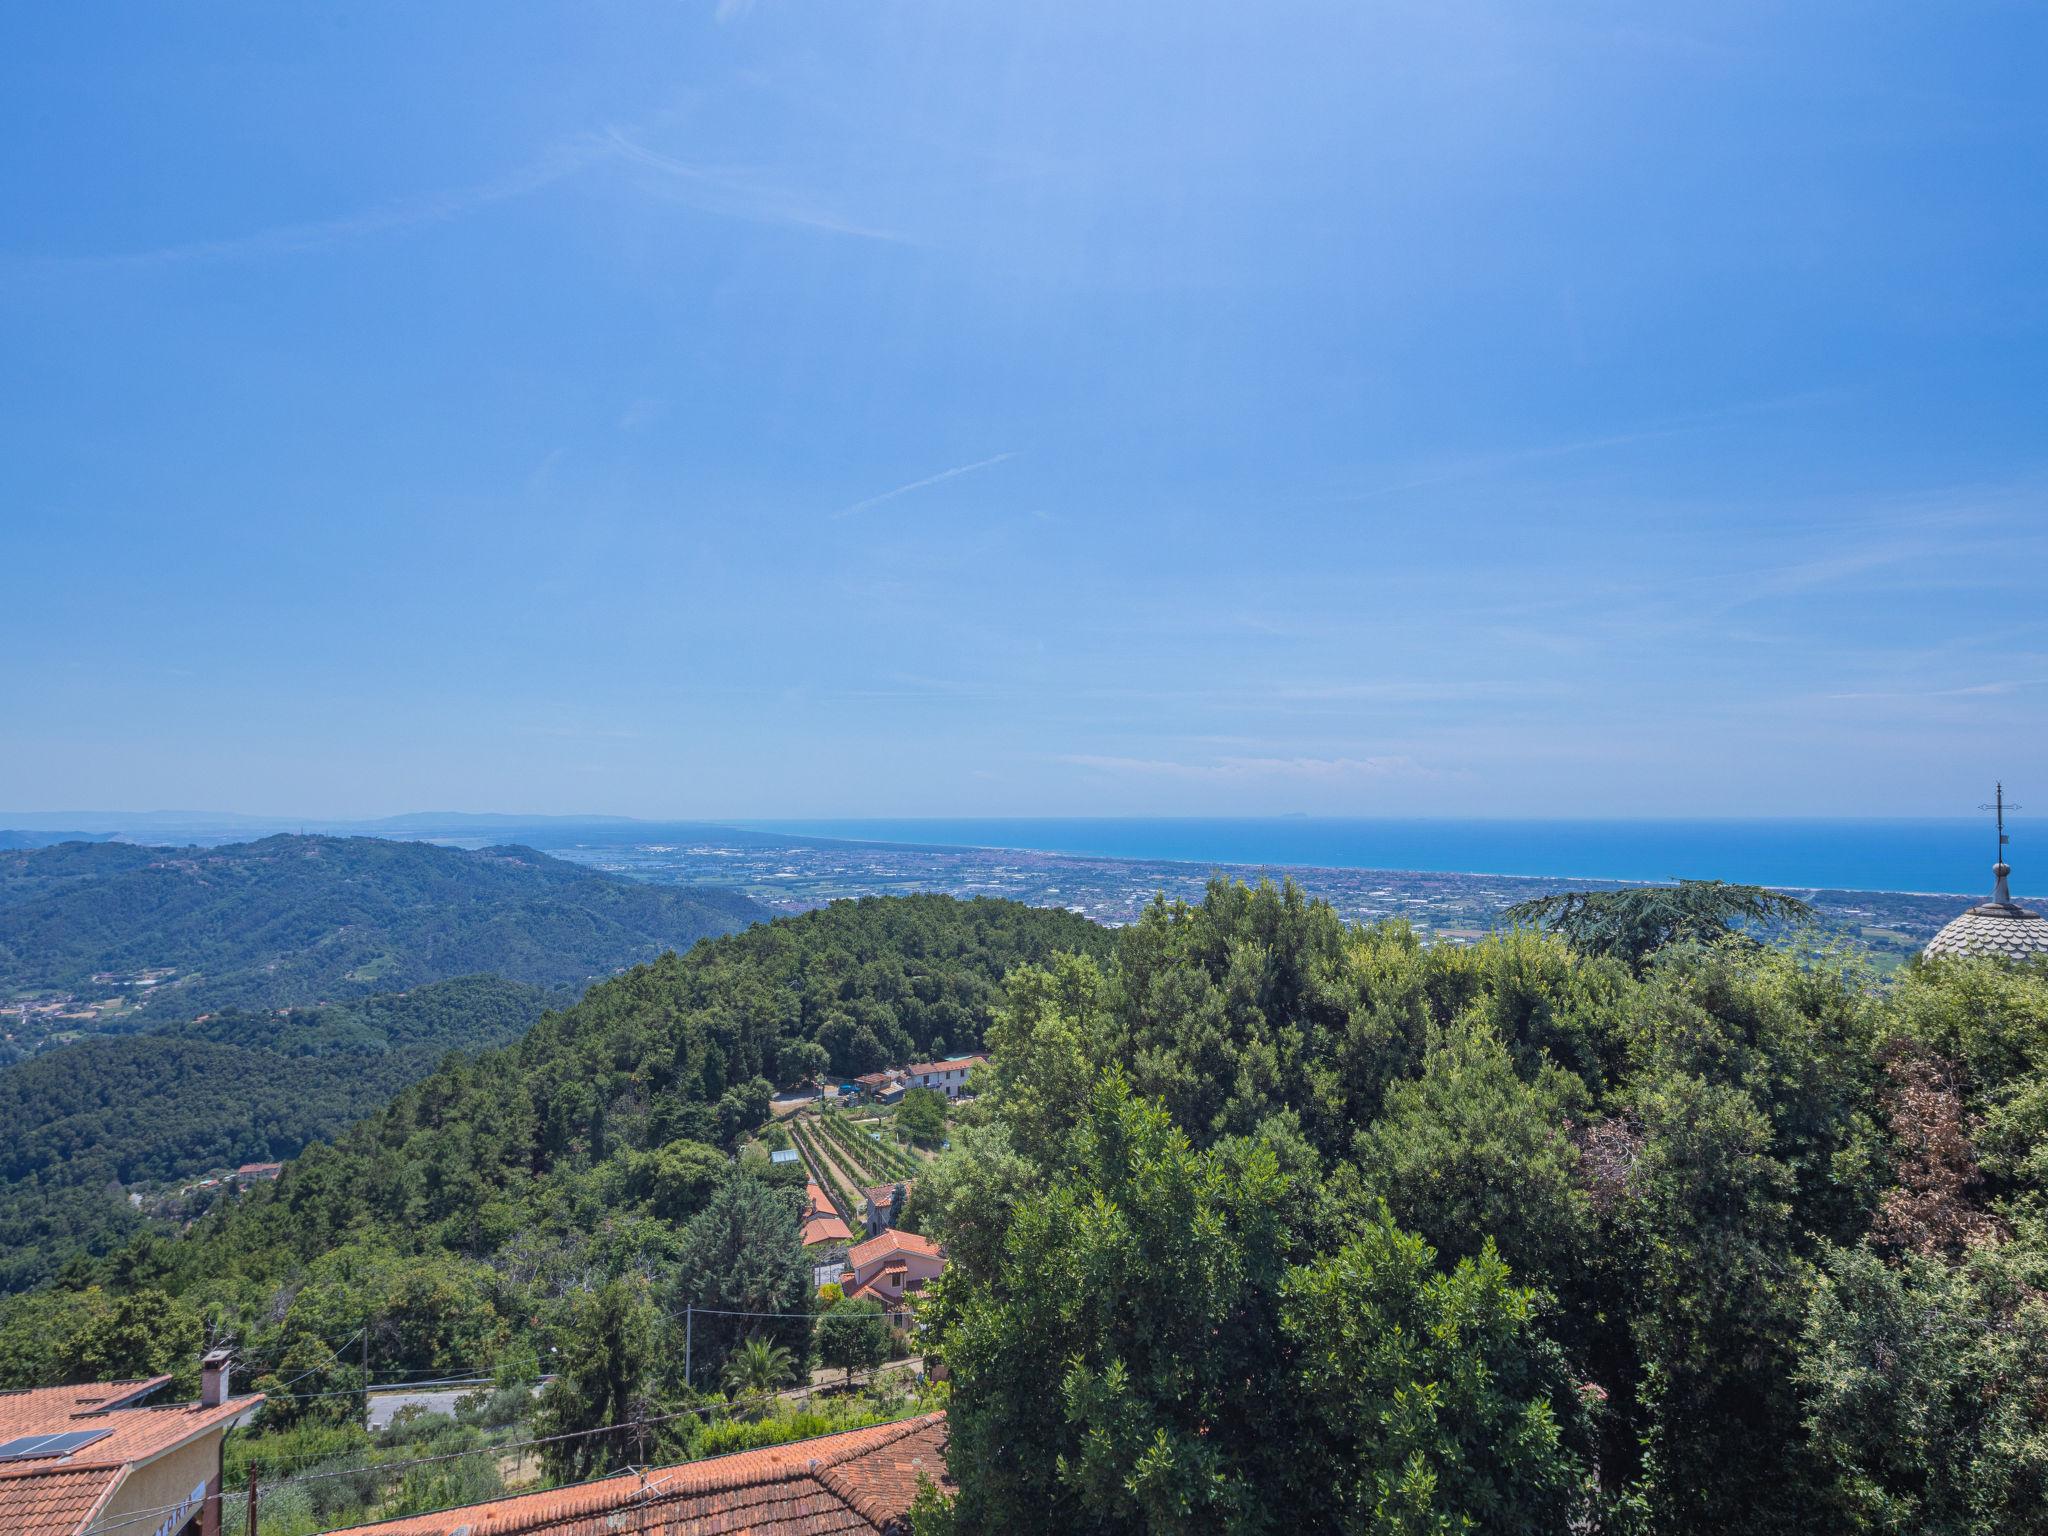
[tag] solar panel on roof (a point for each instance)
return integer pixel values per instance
(32, 1447)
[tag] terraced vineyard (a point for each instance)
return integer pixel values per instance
(825, 1170)
(873, 1161)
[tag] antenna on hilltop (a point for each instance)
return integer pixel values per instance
(1999, 868)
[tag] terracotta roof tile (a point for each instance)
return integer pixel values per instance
(826, 1229)
(28, 1409)
(54, 1503)
(55, 1496)
(951, 1064)
(890, 1242)
(858, 1481)
(134, 1432)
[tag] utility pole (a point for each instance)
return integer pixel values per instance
(689, 1339)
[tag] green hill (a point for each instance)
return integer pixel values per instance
(288, 921)
(579, 1125)
(12, 838)
(1258, 1222)
(293, 985)
(234, 1088)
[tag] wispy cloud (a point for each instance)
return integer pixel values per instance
(542, 475)
(1241, 768)
(1965, 691)
(640, 413)
(738, 192)
(1676, 426)
(918, 485)
(583, 733)
(319, 234)
(1404, 691)
(743, 192)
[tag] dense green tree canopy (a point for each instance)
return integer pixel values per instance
(1260, 1223)
(1520, 1235)
(854, 1335)
(1634, 923)
(476, 1208)
(237, 1087)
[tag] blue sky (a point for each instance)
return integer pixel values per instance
(898, 409)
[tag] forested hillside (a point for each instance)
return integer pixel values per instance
(1276, 1226)
(485, 1199)
(296, 920)
(11, 838)
(232, 1088)
(1262, 1224)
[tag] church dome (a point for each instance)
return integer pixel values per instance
(2000, 928)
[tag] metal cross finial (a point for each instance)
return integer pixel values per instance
(2001, 808)
(1999, 868)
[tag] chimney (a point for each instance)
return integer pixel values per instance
(213, 1378)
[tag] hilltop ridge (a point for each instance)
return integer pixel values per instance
(292, 920)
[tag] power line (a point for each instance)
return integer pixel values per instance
(646, 1490)
(813, 1316)
(420, 1461)
(333, 1352)
(385, 1388)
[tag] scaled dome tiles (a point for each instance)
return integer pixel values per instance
(2002, 930)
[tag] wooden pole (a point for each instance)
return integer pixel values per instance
(689, 1339)
(252, 1499)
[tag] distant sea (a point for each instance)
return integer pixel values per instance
(1949, 855)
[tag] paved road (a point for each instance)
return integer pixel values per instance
(384, 1405)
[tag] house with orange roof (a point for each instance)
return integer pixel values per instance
(99, 1460)
(948, 1077)
(892, 1267)
(857, 1481)
(821, 1223)
(825, 1229)
(884, 1087)
(881, 1205)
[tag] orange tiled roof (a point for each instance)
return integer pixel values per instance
(890, 1242)
(55, 1503)
(826, 1229)
(951, 1064)
(55, 1496)
(859, 1481)
(136, 1433)
(893, 1302)
(30, 1409)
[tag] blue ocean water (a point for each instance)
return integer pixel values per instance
(1951, 855)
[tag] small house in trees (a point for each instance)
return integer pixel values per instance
(893, 1267)
(822, 1225)
(99, 1457)
(881, 1087)
(948, 1077)
(881, 1204)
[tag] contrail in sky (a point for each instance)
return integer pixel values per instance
(918, 485)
